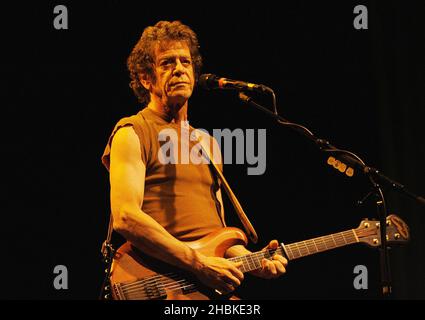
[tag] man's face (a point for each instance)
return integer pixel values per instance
(174, 73)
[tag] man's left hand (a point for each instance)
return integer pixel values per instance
(272, 268)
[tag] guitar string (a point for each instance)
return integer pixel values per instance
(140, 294)
(336, 241)
(164, 285)
(151, 279)
(164, 281)
(169, 287)
(170, 284)
(146, 281)
(159, 285)
(327, 242)
(157, 277)
(325, 239)
(339, 239)
(236, 258)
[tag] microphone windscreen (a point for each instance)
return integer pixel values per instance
(208, 81)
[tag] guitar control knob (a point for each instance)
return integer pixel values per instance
(336, 164)
(366, 224)
(349, 172)
(375, 241)
(397, 236)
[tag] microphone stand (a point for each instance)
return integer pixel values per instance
(349, 157)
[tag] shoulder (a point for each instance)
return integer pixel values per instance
(126, 139)
(125, 142)
(131, 129)
(126, 135)
(136, 121)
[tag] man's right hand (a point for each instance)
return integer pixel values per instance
(219, 273)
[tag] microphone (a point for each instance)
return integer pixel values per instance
(210, 81)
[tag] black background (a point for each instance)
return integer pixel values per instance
(62, 91)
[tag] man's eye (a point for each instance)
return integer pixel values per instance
(166, 63)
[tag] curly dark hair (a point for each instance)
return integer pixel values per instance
(142, 56)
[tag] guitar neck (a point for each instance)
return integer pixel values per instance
(298, 249)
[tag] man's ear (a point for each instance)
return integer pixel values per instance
(145, 81)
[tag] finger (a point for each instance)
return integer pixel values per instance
(273, 244)
(226, 285)
(224, 288)
(227, 289)
(229, 278)
(221, 285)
(237, 273)
(230, 288)
(270, 268)
(264, 264)
(279, 267)
(281, 259)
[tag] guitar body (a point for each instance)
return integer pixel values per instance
(138, 276)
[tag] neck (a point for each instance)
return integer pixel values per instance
(176, 113)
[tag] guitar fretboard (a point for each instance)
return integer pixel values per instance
(298, 249)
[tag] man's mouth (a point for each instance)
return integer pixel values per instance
(178, 84)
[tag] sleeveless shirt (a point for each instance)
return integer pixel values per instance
(179, 196)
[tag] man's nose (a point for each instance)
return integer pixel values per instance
(179, 68)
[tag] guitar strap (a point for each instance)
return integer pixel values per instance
(108, 253)
(249, 229)
(106, 245)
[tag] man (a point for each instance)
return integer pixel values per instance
(158, 206)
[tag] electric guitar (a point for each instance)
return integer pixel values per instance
(136, 276)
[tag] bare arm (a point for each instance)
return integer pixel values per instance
(127, 177)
